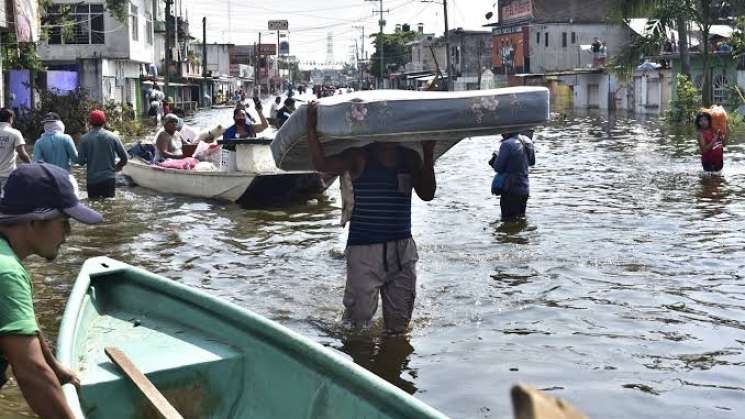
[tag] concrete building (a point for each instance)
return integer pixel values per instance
(427, 56)
(108, 55)
(559, 46)
(470, 53)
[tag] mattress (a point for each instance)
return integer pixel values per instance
(408, 117)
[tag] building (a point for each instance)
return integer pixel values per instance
(427, 57)
(510, 37)
(552, 39)
(470, 54)
(106, 55)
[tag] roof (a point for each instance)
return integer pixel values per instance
(640, 26)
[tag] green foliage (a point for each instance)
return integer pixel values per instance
(123, 120)
(687, 103)
(119, 9)
(19, 56)
(74, 108)
(395, 51)
(738, 38)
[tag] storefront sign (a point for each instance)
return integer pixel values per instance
(517, 9)
(267, 49)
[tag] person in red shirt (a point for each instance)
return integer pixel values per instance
(710, 143)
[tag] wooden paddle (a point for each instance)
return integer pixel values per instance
(529, 403)
(156, 399)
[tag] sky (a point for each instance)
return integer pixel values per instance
(310, 21)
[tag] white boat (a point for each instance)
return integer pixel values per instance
(256, 180)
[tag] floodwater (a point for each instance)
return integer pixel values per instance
(623, 292)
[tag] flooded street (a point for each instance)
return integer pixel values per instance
(624, 292)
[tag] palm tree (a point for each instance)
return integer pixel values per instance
(676, 14)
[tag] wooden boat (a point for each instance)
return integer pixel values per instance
(208, 357)
(256, 181)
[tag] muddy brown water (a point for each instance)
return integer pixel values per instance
(623, 292)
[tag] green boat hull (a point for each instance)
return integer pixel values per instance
(210, 358)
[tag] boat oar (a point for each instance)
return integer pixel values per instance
(151, 393)
(529, 403)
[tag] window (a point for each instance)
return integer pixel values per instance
(574, 37)
(149, 28)
(76, 24)
(537, 37)
(134, 22)
(546, 39)
(720, 87)
(564, 39)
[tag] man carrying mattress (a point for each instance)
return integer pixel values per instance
(381, 254)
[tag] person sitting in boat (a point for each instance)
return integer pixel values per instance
(245, 108)
(168, 141)
(283, 114)
(381, 253)
(242, 128)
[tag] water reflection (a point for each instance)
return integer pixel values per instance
(618, 278)
(384, 354)
(512, 232)
(712, 195)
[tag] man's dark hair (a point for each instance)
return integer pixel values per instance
(6, 114)
(238, 110)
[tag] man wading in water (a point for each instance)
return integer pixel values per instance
(381, 254)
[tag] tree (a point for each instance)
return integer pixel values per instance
(396, 52)
(676, 14)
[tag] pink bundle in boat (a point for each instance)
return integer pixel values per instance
(187, 163)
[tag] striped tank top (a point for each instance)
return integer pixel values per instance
(382, 204)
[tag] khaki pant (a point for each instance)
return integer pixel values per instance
(388, 270)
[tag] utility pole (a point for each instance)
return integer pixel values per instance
(448, 69)
(278, 83)
(258, 57)
(204, 46)
(256, 69)
(447, 47)
(166, 73)
(481, 45)
(205, 83)
(381, 54)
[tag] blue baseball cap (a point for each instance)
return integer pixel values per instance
(42, 191)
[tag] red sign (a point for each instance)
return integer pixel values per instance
(517, 9)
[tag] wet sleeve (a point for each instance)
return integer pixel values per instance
(71, 151)
(16, 305)
(500, 165)
(120, 151)
(19, 141)
(37, 152)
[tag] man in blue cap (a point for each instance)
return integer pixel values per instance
(35, 211)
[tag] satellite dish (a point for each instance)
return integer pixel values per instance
(489, 15)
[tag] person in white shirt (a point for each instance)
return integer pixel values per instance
(11, 146)
(273, 110)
